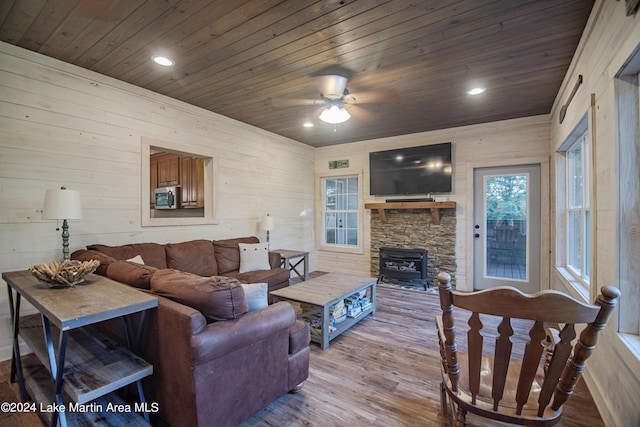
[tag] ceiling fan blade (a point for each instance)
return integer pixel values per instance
(316, 113)
(332, 86)
(361, 114)
(294, 102)
(371, 97)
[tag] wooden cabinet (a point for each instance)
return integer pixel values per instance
(153, 182)
(168, 170)
(187, 172)
(192, 182)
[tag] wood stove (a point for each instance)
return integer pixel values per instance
(405, 265)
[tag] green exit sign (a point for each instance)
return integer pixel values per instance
(338, 164)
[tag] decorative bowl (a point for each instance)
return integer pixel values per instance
(67, 272)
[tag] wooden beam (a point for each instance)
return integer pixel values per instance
(433, 206)
(383, 215)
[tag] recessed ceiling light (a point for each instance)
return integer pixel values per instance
(163, 60)
(308, 124)
(476, 91)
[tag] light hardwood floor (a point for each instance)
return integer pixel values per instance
(382, 372)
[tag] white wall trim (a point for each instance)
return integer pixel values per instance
(211, 196)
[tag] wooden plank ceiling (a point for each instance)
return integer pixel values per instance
(409, 63)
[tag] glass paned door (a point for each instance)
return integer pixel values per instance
(507, 227)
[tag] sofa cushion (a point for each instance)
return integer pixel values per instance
(87, 255)
(256, 295)
(131, 273)
(253, 257)
(216, 297)
(228, 254)
(152, 253)
(272, 277)
(195, 256)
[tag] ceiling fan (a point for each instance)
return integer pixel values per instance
(334, 96)
(334, 93)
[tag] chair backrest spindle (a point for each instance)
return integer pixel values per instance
(532, 355)
(584, 347)
(450, 347)
(475, 339)
(501, 360)
(561, 354)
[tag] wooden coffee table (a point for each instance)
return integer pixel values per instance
(325, 292)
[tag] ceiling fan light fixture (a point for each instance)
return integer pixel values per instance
(335, 115)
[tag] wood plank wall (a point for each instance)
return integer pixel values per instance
(509, 142)
(62, 125)
(610, 39)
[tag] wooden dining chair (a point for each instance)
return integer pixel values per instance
(510, 366)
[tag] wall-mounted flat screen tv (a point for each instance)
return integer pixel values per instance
(411, 171)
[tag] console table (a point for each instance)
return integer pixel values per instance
(84, 365)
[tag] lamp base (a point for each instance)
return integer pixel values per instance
(65, 240)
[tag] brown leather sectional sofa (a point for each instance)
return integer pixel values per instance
(209, 371)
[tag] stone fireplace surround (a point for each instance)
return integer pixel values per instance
(413, 229)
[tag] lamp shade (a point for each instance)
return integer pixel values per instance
(62, 204)
(267, 223)
(334, 115)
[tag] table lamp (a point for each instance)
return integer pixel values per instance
(267, 224)
(62, 205)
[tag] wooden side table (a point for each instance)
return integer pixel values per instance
(289, 255)
(83, 364)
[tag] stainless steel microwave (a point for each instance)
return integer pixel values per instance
(167, 197)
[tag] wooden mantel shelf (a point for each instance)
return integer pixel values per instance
(433, 206)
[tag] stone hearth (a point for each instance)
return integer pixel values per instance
(413, 228)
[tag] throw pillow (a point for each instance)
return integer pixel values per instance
(137, 259)
(216, 297)
(227, 253)
(253, 257)
(256, 294)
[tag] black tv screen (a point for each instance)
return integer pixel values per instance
(411, 171)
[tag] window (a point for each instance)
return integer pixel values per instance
(627, 166)
(578, 224)
(340, 211)
(574, 226)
